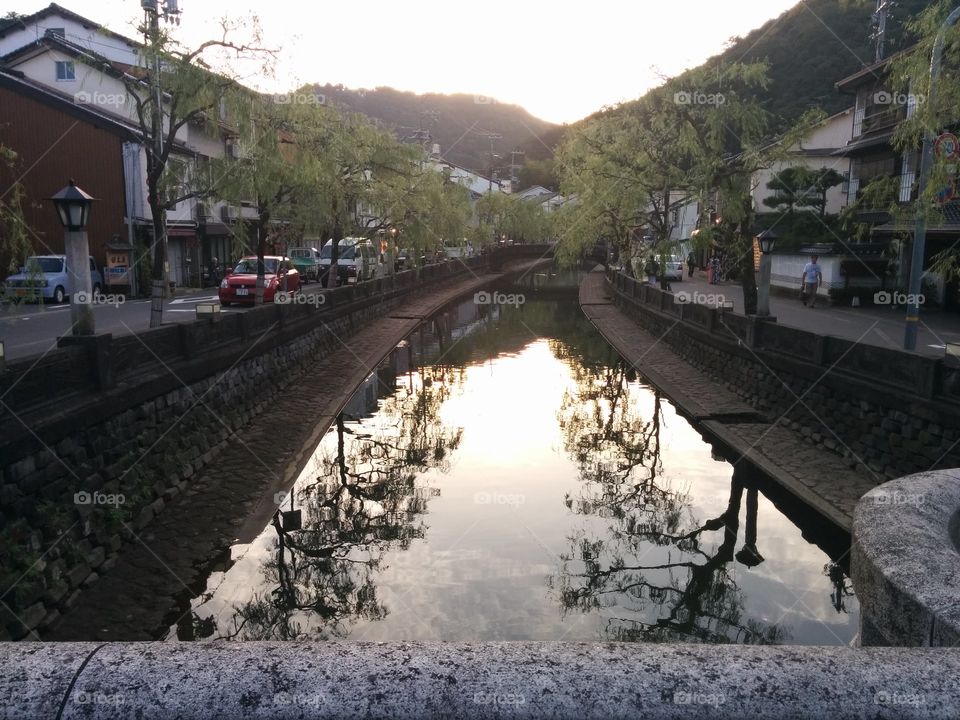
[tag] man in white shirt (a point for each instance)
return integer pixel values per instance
(810, 281)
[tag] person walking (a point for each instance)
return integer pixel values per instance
(810, 281)
(691, 261)
(715, 269)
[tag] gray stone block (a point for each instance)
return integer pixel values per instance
(904, 560)
(76, 575)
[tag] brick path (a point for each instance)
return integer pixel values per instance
(232, 499)
(819, 478)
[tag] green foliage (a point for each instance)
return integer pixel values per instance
(802, 187)
(503, 216)
(935, 111)
(16, 237)
(812, 46)
(539, 172)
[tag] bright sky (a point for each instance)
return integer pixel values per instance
(560, 60)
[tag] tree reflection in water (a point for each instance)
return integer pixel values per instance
(364, 502)
(654, 570)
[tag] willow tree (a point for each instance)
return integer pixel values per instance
(174, 93)
(590, 166)
(428, 209)
(16, 236)
(279, 169)
(359, 166)
(930, 111)
(729, 139)
(500, 216)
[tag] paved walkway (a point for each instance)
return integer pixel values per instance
(233, 498)
(819, 478)
(882, 326)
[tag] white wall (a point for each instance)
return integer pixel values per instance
(787, 269)
(832, 134)
(91, 87)
(686, 217)
(89, 38)
(836, 197)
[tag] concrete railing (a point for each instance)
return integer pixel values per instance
(905, 563)
(473, 680)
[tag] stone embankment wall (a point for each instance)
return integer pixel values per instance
(887, 412)
(96, 441)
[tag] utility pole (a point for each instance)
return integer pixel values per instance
(161, 268)
(926, 160)
(514, 175)
(880, 17)
(491, 137)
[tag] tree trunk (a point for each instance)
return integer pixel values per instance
(748, 278)
(261, 251)
(158, 274)
(334, 255)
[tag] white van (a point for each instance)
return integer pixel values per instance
(357, 259)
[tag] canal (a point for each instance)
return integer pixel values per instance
(503, 475)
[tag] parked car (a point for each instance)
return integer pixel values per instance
(357, 259)
(404, 260)
(307, 262)
(47, 277)
(240, 285)
(674, 268)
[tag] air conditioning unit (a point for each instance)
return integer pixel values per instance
(228, 213)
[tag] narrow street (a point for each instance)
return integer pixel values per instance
(880, 326)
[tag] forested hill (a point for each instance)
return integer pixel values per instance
(812, 46)
(815, 44)
(461, 124)
(809, 48)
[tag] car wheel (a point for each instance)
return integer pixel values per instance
(59, 295)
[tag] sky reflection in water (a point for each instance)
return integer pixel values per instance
(503, 476)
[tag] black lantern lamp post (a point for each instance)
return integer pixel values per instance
(766, 240)
(73, 208)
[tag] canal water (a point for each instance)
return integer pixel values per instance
(504, 475)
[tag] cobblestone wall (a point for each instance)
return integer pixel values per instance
(881, 429)
(66, 510)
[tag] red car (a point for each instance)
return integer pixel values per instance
(240, 284)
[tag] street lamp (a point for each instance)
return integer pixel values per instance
(73, 208)
(766, 240)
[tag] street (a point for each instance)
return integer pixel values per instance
(29, 329)
(881, 326)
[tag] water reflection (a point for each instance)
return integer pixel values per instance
(624, 518)
(655, 567)
(364, 502)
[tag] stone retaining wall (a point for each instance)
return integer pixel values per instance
(887, 412)
(136, 445)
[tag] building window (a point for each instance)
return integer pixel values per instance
(56, 32)
(65, 70)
